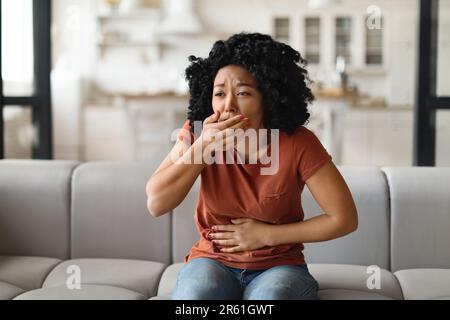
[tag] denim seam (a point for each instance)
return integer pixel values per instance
(241, 277)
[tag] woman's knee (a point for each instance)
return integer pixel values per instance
(284, 291)
(204, 279)
(283, 283)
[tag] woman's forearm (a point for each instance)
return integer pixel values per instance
(317, 229)
(168, 188)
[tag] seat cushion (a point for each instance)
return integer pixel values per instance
(135, 275)
(335, 282)
(9, 291)
(424, 283)
(169, 279)
(343, 294)
(26, 273)
(161, 298)
(86, 292)
(351, 280)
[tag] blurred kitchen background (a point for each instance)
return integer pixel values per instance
(117, 72)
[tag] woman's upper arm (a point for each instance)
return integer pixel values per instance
(177, 151)
(331, 192)
(184, 140)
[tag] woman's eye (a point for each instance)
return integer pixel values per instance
(218, 94)
(243, 93)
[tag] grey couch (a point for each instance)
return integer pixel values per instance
(60, 215)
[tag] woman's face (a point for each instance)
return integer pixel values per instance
(235, 92)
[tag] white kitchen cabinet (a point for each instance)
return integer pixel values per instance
(378, 137)
(106, 135)
(384, 137)
(134, 128)
(392, 138)
(356, 137)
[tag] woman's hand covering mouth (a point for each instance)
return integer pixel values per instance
(226, 116)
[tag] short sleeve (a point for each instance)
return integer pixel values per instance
(185, 133)
(312, 155)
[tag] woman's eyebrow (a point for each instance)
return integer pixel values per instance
(244, 84)
(240, 84)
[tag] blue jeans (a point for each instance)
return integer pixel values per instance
(208, 279)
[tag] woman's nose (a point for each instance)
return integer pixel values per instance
(230, 106)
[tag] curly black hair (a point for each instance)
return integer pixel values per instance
(277, 67)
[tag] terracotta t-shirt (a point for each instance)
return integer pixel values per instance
(230, 191)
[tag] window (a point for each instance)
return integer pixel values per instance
(312, 40)
(19, 132)
(17, 44)
(25, 79)
(374, 44)
(282, 29)
(443, 49)
(343, 38)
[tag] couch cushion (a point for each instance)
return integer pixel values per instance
(135, 275)
(369, 244)
(160, 298)
(420, 202)
(351, 279)
(34, 207)
(9, 291)
(169, 279)
(26, 273)
(86, 292)
(425, 283)
(110, 217)
(343, 294)
(335, 282)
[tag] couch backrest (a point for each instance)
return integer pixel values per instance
(183, 225)
(420, 209)
(34, 208)
(109, 214)
(367, 246)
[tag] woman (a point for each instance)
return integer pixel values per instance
(251, 224)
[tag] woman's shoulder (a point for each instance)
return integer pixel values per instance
(304, 139)
(303, 134)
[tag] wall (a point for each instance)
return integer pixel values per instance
(74, 59)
